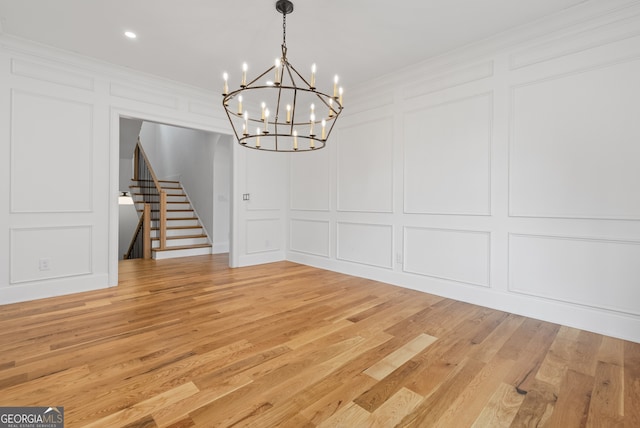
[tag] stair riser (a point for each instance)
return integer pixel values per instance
(178, 232)
(178, 191)
(138, 189)
(158, 255)
(181, 242)
(177, 223)
(139, 199)
(178, 214)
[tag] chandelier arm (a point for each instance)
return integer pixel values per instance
(293, 108)
(231, 121)
(323, 99)
(333, 123)
(275, 118)
(259, 77)
(300, 76)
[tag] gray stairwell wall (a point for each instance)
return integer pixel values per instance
(201, 161)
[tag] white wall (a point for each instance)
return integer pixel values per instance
(505, 174)
(59, 168)
(222, 175)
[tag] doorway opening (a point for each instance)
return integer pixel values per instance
(195, 160)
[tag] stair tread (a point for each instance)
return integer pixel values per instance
(170, 211)
(178, 227)
(180, 218)
(182, 237)
(185, 247)
(172, 194)
(146, 180)
(153, 187)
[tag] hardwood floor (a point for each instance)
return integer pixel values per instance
(189, 342)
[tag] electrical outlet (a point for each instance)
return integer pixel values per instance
(399, 258)
(44, 264)
(245, 196)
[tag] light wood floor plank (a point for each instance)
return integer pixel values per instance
(192, 343)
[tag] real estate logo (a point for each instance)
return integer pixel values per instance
(32, 417)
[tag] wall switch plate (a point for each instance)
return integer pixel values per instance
(44, 264)
(245, 196)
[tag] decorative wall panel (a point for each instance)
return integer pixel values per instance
(447, 154)
(263, 235)
(370, 244)
(574, 148)
(51, 252)
(365, 166)
(51, 154)
(309, 178)
(457, 255)
(594, 272)
(309, 236)
(51, 74)
(266, 174)
(145, 96)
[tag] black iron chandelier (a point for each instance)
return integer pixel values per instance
(286, 114)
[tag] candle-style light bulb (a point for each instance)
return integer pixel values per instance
(239, 105)
(335, 86)
(312, 119)
(225, 89)
(324, 129)
(330, 107)
(277, 64)
(313, 109)
(258, 132)
(264, 105)
(313, 76)
(340, 91)
(295, 140)
(288, 113)
(266, 121)
(246, 123)
(244, 75)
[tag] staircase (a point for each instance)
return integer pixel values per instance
(185, 235)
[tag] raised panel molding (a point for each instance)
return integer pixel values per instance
(265, 177)
(450, 79)
(66, 250)
(203, 109)
(447, 157)
(368, 244)
(573, 149)
(365, 166)
(455, 255)
(566, 45)
(309, 236)
(598, 273)
(263, 235)
(51, 74)
(309, 181)
(51, 154)
(145, 96)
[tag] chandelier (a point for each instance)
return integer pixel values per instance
(280, 110)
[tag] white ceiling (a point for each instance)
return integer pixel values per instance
(194, 41)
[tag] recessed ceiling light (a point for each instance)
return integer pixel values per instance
(130, 34)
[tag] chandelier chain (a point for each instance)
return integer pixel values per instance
(284, 30)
